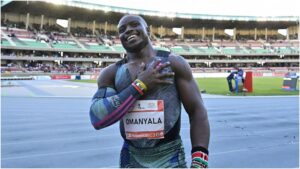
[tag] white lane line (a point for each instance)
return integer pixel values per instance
(117, 147)
(253, 132)
(248, 149)
(61, 139)
(262, 147)
(118, 134)
(59, 153)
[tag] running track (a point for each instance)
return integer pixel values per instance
(45, 124)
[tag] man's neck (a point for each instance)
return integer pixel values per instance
(142, 56)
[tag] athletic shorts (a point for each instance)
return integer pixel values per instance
(166, 155)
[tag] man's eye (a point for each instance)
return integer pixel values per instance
(121, 30)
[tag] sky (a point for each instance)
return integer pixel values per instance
(213, 7)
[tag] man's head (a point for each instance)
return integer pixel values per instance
(236, 67)
(133, 33)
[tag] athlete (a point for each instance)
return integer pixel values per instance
(144, 92)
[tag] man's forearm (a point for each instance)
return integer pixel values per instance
(109, 107)
(200, 132)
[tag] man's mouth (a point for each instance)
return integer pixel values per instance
(131, 37)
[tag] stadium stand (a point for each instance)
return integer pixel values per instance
(29, 46)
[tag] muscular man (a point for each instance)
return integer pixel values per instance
(144, 91)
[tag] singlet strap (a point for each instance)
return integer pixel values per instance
(162, 53)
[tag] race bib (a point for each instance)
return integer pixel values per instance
(146, 120)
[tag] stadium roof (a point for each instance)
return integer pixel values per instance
(255, 10)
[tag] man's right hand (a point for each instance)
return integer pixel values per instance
(151, 75)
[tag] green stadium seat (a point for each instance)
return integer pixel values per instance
(5, 42)
(37, 44)
(232, 50)
(119, 48)
(284, 50)
(65, 45)
(183, 50)
(260, 51)
(161, 48)
(100, 48)
(30, 43)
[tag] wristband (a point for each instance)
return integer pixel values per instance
(141, 84)
(139, 89)
(199, 157)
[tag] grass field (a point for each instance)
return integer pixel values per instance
(262, 86)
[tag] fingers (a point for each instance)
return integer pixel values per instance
(156, 73)
(165, 78)
(161, 66)
(164, 81)
(165, 75)
(155, 63)
(142, 66)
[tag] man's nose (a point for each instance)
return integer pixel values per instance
(129, 29)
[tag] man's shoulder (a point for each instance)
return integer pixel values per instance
(176, 59)
(107, 75)
(174, 55)
(179, 65)
(111, 68)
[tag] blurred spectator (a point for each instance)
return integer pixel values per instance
(237, 73)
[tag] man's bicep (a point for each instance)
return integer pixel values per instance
(189, 94)
(186, 85)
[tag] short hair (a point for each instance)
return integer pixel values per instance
(132, 15)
